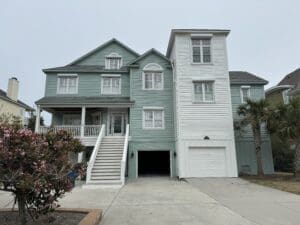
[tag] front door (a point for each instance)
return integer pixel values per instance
(117, 124)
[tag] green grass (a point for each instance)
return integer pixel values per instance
(280, 181)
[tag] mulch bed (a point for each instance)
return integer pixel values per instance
(55, 218)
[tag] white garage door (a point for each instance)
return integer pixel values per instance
(207, 162)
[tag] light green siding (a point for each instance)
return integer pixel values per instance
(245, 149)
(150, 139)
(98, 58)
(89, 84)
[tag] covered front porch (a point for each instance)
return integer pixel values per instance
(85, 122)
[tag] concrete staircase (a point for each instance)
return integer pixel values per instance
(107, 169)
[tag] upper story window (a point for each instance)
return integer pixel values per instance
(204, 91)
(153, 77)
(113, 61)
(153, 118)
(245, 93)
(67, 84)
(285, 96)
(201, 48)
(111, 84)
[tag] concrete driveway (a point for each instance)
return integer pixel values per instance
(261, 205)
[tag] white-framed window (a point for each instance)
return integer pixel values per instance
(204, 91)
(153, 118)
(201, 50)
(113, 61)
(111, 85)
(153, 78)
(285, 96)
(71, 119)
(245, 93)
(67, 84)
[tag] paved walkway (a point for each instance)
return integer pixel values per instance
(152, 201)
(259, 204)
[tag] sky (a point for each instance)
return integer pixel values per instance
(35, 34)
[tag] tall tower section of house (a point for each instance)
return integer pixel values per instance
(202, 103)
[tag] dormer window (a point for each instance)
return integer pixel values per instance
(113, 61)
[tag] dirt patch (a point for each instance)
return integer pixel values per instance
(282, 181)
(55, 218)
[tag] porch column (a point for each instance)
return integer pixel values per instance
(37, 119)
(82, 121)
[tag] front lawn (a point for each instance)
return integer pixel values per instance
(281, 181)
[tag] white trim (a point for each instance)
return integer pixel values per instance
(113, 55)
(110, 75)
(153, 122)
(66, 76)
(111, 93)
(202, 35)
(203, 91)
(152, 67)
(242, 94)
(153, 107)
(201, 50)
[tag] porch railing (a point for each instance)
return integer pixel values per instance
(94, 154)
(124, 156)
(74, 130)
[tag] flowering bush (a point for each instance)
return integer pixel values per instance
(34, 168)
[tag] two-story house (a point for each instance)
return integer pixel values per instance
(148, 114)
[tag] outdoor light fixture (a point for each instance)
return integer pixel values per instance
(206, 138)
(131, 155)
(175, 154)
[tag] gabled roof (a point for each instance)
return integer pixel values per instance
(278, 88)
(192, 31)
(113, 40)
(150, 51)
(243, 77)
(3, 95)
(292, 78)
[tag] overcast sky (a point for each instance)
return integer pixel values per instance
(264, 38)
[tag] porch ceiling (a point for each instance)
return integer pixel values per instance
(75, 101)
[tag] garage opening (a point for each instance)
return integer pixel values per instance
(153, 163)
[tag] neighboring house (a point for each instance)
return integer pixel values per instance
(9, 103)
(245, 86)
(173, 113)
(288, 87)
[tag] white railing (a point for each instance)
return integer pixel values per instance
(75, 130)
(124, 156)
(91, 130)
(94, 154)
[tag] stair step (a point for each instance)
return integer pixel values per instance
(103, 177)
(106, 173)
(105, 182)
(107, 166)
(106, 170)
(107, 163)
(109, 154)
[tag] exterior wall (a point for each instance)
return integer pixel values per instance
(245, 148)
(197, 120)
(11, 108)
(98, 58)
(275, 98)
(89, 84)
(150, 139)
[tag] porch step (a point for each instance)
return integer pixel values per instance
(103, 177)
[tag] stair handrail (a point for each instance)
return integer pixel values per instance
(124, 156)
(94, 153)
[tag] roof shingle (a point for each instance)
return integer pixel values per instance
(243, 77)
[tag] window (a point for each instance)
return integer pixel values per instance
(111, 85)
(285, 96)
(153, 77)
(245, 93)
(201, 50)
(113, 61)
(71, 119)
(153, 119)
(67, 84)
(204, 91)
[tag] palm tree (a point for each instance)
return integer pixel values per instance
(255, 114)
(285, 123)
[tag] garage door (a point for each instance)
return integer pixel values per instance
(207, 162)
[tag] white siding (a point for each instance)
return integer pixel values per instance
(197, 120)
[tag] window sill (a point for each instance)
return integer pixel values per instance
(66, 93)
(144, 89)
(153, 128)
(202, 64)
(108, 94)
(199, 102)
